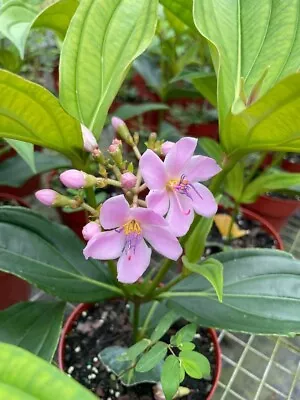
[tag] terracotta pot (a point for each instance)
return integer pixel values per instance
(275, 211)
(266, 224)
(74, 220)
(83, 307)
(204, 130)
(12, 289)
(29, 187)
(289, 166)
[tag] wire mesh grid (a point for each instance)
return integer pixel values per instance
(260, 367)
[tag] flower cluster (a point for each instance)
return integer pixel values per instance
(124, 226)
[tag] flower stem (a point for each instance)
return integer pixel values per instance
(172, 283)
(136, 319)
(90, 209)
(147, 320)
(159, 277)
(255, 168)
(90, 197)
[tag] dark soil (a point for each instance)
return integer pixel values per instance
(257, 237)
(287, 195)
(293, 158)
(108, 324)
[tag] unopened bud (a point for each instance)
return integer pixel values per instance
(166, 147)
(128, 180)
(115, 150)
(89, 141)
(98, 156)
(75, 179)
(152, 141)
(89, 230)
(121, 128)
(51, 198)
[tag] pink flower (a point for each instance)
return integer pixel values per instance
(166, 147)
(174, 187)
(129, 227)
(89, 141)
(89, 230)
(128, 180)
(46, 196)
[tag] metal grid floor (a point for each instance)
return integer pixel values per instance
(260, 367)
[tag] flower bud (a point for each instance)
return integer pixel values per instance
(89, 141)
(46, 196)
(75, 179)
(121, 128)
(166, 147)
(128, 181)
(89, 230)
(115, 150)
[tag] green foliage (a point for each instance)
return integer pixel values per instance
(25, 150)
(182, 9)
(195, 364)
(211, 269)
(234, 182)
(102, 41)
(163, 325)
(24, 376)
(10, 60)
(170, 376)
(207, 86)
(49, 256)
(127, 111)
(34, 326)
(184, 335)
(212, 148)
(28, 112)
(196, 240)
(154, 356)
(257, 284)
(245, 49)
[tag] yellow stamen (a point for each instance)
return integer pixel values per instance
(132, 227)
(172, 183)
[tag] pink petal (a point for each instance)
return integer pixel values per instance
(179, 155)
(131, 268)
(153, 170)
(201, 168)
(105, 246)
(158, 201)
(163, 241)
(114, 212)
(180, 215)
(205, 205)
(145, 216)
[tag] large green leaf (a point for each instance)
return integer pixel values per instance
(50, 256)
(24, 376)
(25, 150)
(270, 124)
(17, 17)
(251, 37)
(103, 39)
(30, 113)
(182, 9)
(14, 172)
(33, 326)
(268, 182)
(261, 294)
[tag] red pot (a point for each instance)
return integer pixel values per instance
(204, 130)
(275, 211)
(83, 307)
(143, 91)
(266, 224)
(289, 166)
(12, 289)
(29, 187)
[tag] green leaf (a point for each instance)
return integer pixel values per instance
(186, 334)
(14, 172)
(42, 113)
(182, 9)
(196, 241)
(25, 150)
(24, 376)
(164, 325)
(212, 148)
(57, 17)
(49, 256)
(195, 364)
(170, 376)
(187, 346)
(127, 111)
(245, 48)
(34, 326)
(112, 358)
(136, 350)
(103, 39)
(270, 124)
(10, 60)
(261, 294)
(153, 357)
(269, 181)
(234, 182)
(207, 86)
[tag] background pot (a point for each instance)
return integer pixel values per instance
(83, 307)
(290, 166)
(210, 130)
(276, 211)
(12, 289)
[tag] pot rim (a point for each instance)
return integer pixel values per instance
(19, 200)
(85, 306)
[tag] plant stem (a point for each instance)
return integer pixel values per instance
(215, 186)
(90, 209)
(255, 168)
(113, 269)
(159, 277)
(172, 283)
(233, 218)
(90, 197)
(136, 319)
(147, 320)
